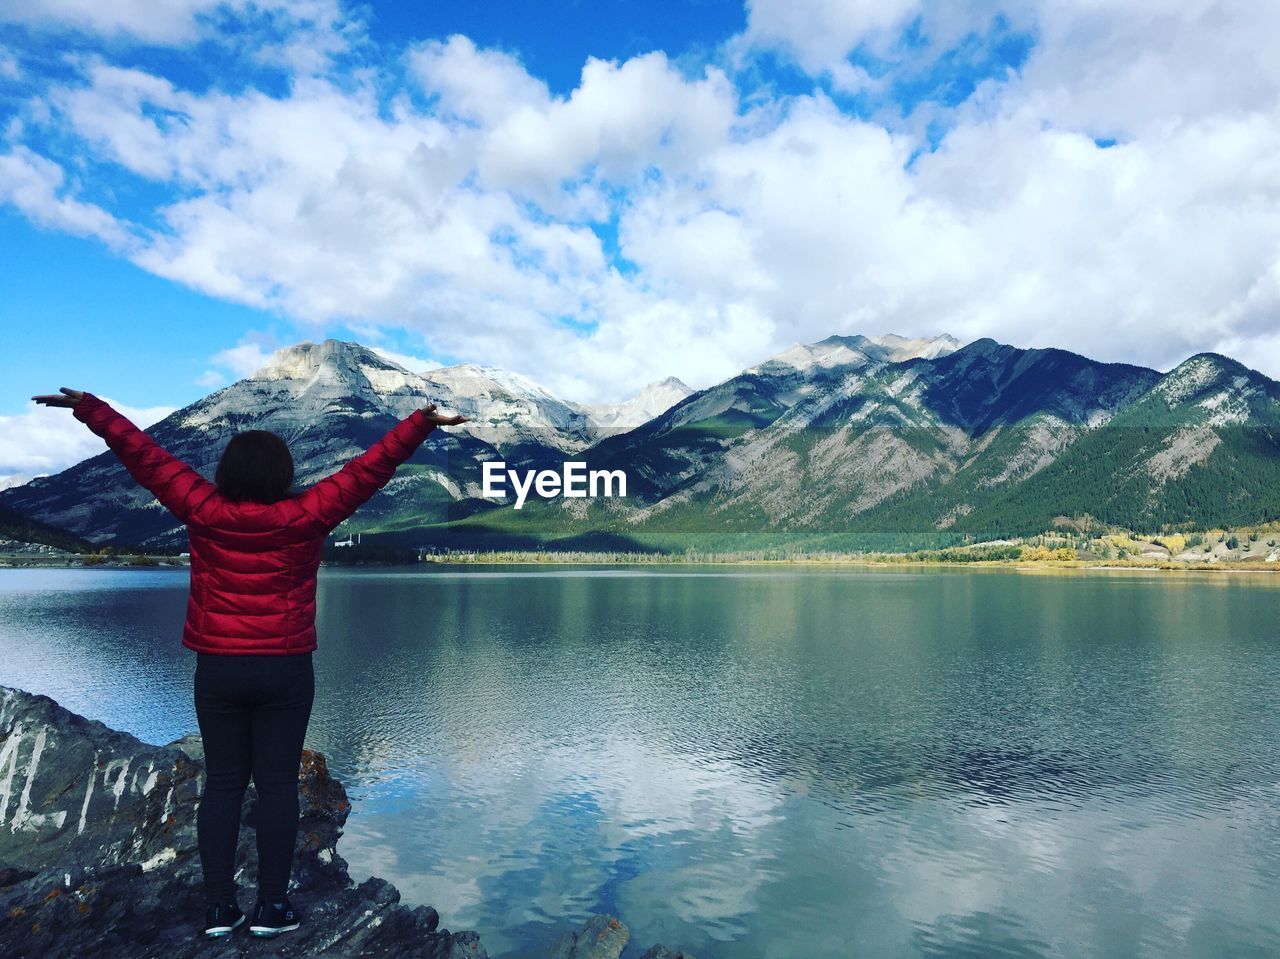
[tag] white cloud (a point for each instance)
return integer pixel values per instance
(622, 119)
(819, 34)
(169, 22)
(905, 36)
(1122, 65)
(211, 379)
(251, 354)
(1147, 252)
(414, 364)
(480, 85)
(483, 222)
(10, 69)
(1138, 67)
(37, 187)
(46, 439)
(314, 30)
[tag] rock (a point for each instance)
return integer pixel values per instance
(98, 853)
(601, 937)
(98, 857)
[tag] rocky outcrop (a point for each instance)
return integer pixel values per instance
(98, 853)
(604, 937)
(98, 857)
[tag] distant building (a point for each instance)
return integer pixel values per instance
(349, 541)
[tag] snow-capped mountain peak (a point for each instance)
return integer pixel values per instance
(828, 353)
(851, 351)
(337, 363)
(657, 397)
(898, 349)
(474, 380)
(302, 360)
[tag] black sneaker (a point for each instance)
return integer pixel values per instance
(221, 919)
(272, 918)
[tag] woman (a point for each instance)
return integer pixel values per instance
(255, 551)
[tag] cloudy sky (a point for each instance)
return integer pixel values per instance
(601, 194)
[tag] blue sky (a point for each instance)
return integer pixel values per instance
(183, 192)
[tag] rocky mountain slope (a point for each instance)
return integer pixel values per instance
(931, 442)
(17, 527)
(850, 436)
(1200, 448)
(330, 401)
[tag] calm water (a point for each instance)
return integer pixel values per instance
(751, 763)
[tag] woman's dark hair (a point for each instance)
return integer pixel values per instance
(257, 466)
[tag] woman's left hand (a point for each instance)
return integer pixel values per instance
(71, 398)
(438, 420)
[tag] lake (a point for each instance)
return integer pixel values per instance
(749, 762)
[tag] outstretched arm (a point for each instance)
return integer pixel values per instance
(177, 486)
(336, 497)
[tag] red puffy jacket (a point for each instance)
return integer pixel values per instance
(253, 565)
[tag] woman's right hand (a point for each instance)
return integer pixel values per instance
(439, 420)
(69, 399)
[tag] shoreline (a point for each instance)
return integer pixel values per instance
(101, 858)
(899, 561)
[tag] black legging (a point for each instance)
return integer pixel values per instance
(253, 713)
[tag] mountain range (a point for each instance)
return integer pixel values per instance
(849, 442)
